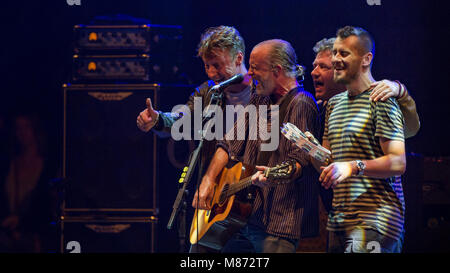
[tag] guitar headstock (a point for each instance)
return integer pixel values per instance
(283, 170)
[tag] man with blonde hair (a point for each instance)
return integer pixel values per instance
(222, 50)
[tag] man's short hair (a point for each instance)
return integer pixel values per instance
(221, 37)
(366, 41)
(324, 45)
(282, 53)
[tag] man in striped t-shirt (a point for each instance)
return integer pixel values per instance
(367, 144)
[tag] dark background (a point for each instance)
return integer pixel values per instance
(411, 46)
(410, 37)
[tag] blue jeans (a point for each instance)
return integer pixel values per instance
(361, 240)
(252, 239)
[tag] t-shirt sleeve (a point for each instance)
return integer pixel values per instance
(389, 121)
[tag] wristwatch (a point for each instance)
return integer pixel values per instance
(360, 166)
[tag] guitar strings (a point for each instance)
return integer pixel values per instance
(234, 188)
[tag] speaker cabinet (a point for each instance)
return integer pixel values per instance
(108, 234)
(412, 181)
(427, 198)
(108, 163)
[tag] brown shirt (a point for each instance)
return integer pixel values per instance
(279, 209)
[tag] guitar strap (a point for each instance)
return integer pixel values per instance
(263, 156)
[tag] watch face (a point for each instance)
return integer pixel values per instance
(360, 165)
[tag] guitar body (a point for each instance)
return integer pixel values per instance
(213, 228)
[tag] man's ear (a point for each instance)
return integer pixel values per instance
(367, 59)
(239, 59)
(277, 70)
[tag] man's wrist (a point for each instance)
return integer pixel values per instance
(209, 180)
(402, 90)
(157, 124)
(354, 167)
(360, 167)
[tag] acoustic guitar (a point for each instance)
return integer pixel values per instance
(231, 204)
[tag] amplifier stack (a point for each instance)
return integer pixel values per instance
(110, 167)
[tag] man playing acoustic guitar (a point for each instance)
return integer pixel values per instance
(276, 217)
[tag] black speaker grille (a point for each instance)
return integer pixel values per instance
(108, 161)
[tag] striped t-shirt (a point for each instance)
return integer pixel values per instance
(353, 126)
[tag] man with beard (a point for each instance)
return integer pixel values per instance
(366, 139)
(276, 218)
(325, 88)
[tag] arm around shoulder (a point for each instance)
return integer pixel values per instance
(408, 108)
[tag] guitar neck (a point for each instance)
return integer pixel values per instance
(280, 171)
(240, 185)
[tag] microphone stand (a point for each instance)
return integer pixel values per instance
(216, 99)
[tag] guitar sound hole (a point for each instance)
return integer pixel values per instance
(223, 194)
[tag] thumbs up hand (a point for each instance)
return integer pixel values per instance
(148, 117)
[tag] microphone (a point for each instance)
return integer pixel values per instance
(238, 78)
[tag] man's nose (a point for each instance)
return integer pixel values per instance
(250, 72)
(211, 72)
(315, 72)
(335, 59)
